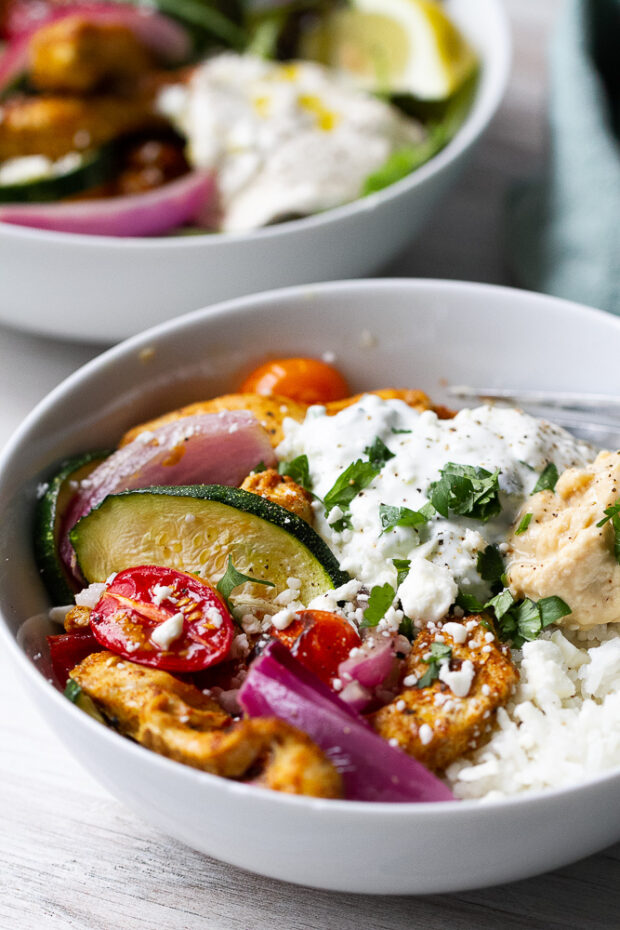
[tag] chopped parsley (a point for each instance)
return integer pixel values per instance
(299, 470)
(357, 476)
(73, 690)
(259, 467)
(438, 652)
(613, 513)
(232, 579)
(400, 516)
(523, 525)
(547, 479)
(490, 565)
(380, 600)
(466, 490)
(524, 620)
(402, 567)
(405, 628)
(378, 453)
(469, 603)
(398, 432)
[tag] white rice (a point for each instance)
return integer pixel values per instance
(562, 726)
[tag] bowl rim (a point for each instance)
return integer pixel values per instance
(250, 304)
(489, 94)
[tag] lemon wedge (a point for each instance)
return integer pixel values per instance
(394, 46)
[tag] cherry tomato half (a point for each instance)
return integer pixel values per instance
(163, 618)
(307, 380)
(320, 640)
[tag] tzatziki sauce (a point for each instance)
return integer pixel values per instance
(443, 552)
(283, 139)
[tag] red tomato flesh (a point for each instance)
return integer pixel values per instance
(140, 600)
(321, 640)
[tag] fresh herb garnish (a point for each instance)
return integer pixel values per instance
(299, 470)
(398, 432)
(613, 513)
(232, 579)
(523, 621)
(405, 628)
(490, 565)
(468, 603)
(357, 476)
(378, 454)
(438, 652)
(402, 567)
(501, 603)
(466, 490)
(523, 525)
(552, 609)
(380, 600)
(72, 690)
(547, 480)
(259, 467)
(400, 516)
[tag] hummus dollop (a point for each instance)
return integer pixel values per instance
(563, 552)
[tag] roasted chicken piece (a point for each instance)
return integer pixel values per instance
(78, 618)
(54, 126)
(416, 399)
(77, 56)
(413, 398)
(433, 723)
(269, 411)
(282, 490)
(177, 720)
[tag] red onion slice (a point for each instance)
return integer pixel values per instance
(277, 685)
(370, 666)
(208, 448)
(150, 214)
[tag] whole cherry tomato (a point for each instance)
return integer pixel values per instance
(163, 618)
(307, 380)
(321, 640)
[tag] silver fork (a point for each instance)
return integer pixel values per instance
(593, 417)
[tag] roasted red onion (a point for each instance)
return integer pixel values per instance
(277, 685)
(208, 448)
(152, 213)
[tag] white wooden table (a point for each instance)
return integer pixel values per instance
(73, 857)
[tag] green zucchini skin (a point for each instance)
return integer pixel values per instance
(46, 526)
(95, 168)
(235, 498)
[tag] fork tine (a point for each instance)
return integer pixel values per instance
(567, 400)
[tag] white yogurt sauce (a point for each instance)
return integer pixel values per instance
(283, 138)
(488, 436)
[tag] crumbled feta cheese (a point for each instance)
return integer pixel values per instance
(457, 631)
(426, 734)
(89, 596)
(458, 681)
(168, 631)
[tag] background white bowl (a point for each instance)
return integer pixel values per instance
(426, 333)
(100, 289)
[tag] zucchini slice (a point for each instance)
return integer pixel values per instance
(94, 168)
(195, 529)
(48, 520)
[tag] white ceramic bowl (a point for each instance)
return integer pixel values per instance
(427, 333)
(101, 289)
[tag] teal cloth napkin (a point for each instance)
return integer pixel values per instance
(564, 231)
